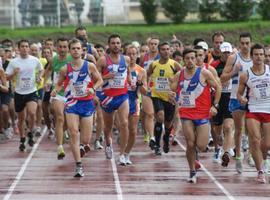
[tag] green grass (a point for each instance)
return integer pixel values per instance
(185, 31)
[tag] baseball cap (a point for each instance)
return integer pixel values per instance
(203, 44)
(226, 47)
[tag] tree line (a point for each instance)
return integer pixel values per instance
(208, 10)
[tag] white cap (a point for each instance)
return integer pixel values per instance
(226, 47)
(136, 44)
(203, 44)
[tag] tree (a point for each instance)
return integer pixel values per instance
(264, 8)
(207, 8)
(176, 10)
(149, 11)
(237, 10)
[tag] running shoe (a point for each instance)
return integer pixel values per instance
(157, 151)
(60, 152)
(146, 138)
(109, 152)
(250, 161)
(37, 131)
(87, 148)
(128, 161)
(79, 171)
(8, 133)
(239, 164)
(152, 144)
(122, 160)
(82, 150)
(98, 145)
(225, 159)
(174, 141)
(51, 134)
(166, 144)
(261, 177)
(30, 139)
(217, 155)
(22, 145)
(266, 166)
(192, 178)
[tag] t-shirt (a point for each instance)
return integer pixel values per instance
(25, 80)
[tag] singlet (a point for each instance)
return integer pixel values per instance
(194, 97)
(133, 93)
(118, 85)
(160, 78)
(219, 66)
(259, 91)
(147, 61)
(77, 83)
(246, 64)
(56, 67)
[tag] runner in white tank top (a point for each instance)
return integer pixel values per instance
(257, 81)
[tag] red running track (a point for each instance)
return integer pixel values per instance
(38, 175)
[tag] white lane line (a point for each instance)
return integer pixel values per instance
(116, 180)
(226, 192)
(24, 166)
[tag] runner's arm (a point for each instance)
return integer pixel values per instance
(228, 69)
(241, 88)
(60, 81)
(174, 82)
(4, 83)
(101, 64)
(143, 81)
(96, 76)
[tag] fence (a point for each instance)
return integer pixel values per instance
(28, 13)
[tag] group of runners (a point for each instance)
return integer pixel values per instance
(199, 92)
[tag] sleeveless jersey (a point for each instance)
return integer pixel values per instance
(160, 78)
(56, 67)
(147, 61)
(133, 93)
(117, 85)
(77, 83)
(219, 66)
(246, 64)
(194, 97)
(259, 91)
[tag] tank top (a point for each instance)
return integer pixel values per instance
(77, 83)
(147, 61)
(246, 64)
(160, 78)
(118, 85)
(194, 97)
(259, 91)
(133, 93)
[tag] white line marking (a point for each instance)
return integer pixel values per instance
(116, 180)
(226, 192)
(24, 166)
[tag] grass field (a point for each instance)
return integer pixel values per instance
(186, 32)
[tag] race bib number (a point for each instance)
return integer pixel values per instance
(187, 100)
(25, 83)
(133, 83)
(162, 84)
(117, 82)
(262, 91)
(79, 89)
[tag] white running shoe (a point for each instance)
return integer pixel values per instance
(98, 145)
(109, 152)
(250, 161)
(128, 161)
(122, 160)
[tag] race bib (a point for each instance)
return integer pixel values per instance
(262, 91)
(79, 89)
(162, 84)
(117, 82)
(187, 99)
(25, 83)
